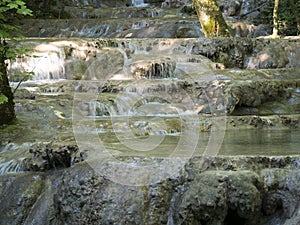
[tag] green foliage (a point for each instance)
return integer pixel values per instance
(18, 6)
(7, 8)
(286, 18)
(3, 98)
(10, 9)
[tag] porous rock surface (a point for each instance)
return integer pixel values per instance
(221, 190)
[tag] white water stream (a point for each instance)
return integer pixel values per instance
(138, 3)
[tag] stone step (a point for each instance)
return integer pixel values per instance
(113, 13)
(73, 58)
(113, 28)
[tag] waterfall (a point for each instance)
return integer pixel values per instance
(46, 63)
(138, 3)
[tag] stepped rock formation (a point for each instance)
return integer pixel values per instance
(133, 117)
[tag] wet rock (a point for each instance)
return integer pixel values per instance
(209, 197)
(192, 197)
(188, 9)
(253, 121)
(18, 194)
(285, 192)
(46, 156)
(251, 9)
(157, 69)
(270, 57)
(289, 122)
(174, 3)
(230, 8)
(75, 69)
(104, 64)
(89, 198)
(249, 30)
(113, 13)
(103, 3)
(117, 28)
(78, 59)
(223, 190)
(204, 202)
(254, 93)
(231, 53)
(239, 97)
(81, 187)
(24, 94)
(261, 30)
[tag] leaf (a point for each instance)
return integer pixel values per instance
(24, 11)
(12, 5)
(4, 34)
(11, 55)
(8, 33)
(2, 17)
(3, 99)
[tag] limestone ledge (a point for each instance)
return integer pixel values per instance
(211, 190)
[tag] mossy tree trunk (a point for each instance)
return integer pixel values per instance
(211, 18)
(7, 112)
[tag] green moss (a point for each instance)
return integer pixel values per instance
(3, 98)
(8, 129)
(209, 28)
(211, 19)
(223, 58)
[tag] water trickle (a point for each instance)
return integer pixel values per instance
(91, 31)
(98, 109)
(139, 25)
(138, 3)
(81, 3)
(12, 157)
(11, 166)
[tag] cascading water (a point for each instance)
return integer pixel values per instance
(142, 116)
(46, 63)
(12, 157)
(138, 3)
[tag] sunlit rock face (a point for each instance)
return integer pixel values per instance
(274, 55)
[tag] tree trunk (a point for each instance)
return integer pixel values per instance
(46, 7)
(61, 8)
(275, 19)
(211, 18)
(7, 112)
